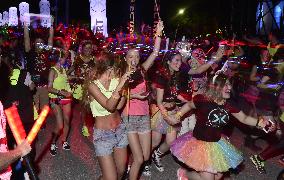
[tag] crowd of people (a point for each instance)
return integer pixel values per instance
(138, 94)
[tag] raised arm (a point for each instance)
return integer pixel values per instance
(51, 32)
(201, 68)
(27, 41)
(206, 66)
(150, 60)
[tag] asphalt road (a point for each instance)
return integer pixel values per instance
(80, 163)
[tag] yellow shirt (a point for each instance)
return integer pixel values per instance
(96, 108)
(60, 82)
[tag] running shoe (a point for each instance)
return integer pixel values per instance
(65, 146)
(156, 159)
(258, 164)
(53, 149)
(146, 171)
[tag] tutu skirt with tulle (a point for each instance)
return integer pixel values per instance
(212, 157)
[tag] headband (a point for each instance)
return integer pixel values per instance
(214, 78)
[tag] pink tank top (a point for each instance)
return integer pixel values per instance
(137, 107)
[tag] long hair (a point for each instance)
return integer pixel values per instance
(164, 69)
(104, 61)
(214, 87)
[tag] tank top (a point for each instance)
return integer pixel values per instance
(60, 82)
(137, 107)
(96, 108)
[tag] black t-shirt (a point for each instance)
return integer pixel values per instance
(211, 118)
(38, 66)
(169, 84)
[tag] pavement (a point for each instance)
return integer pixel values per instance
(80, 163)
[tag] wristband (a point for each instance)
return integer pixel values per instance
(178, 115)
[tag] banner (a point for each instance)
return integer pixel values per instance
(98, 16)
(131, 17)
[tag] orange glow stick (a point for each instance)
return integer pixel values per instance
(15, 124)
(37, 125)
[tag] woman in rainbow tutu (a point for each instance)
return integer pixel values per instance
(205, 149)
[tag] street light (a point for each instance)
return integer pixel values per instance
(181, 11)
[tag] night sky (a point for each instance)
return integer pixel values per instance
(200, 15)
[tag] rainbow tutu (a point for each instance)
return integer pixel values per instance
(205, 156)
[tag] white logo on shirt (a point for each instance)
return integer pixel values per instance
(217, 117)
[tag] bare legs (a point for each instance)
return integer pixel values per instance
(114, 165)
(165, 146)
(140, 145)
(62, 115)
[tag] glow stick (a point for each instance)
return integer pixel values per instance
(37, 125)
(19, 133)
(15, 124)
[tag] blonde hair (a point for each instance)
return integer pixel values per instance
(214, 87)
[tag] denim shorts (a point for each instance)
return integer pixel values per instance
(137, 124)
(106, 140)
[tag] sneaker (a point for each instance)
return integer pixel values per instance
(53, 149)
(281, 160)
(156, 159)
(65, 146)
(258, 163)
(126, 173)
(181, 174)
(146, 171)
(128, 168)
(85, 131)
